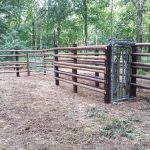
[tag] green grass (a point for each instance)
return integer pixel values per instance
(121, 128)
(112, 128)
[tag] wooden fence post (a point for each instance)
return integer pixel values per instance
(56, 67)
(17, 65)
(133, 71)
(74, 71)
(96, 73)
(28, 66)
(108, 55)
(44, 65)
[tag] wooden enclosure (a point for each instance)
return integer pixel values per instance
(81, 66)
(91, 63)
(17, 61)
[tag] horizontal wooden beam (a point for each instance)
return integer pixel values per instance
(140, 77)
(2, 67)
(44, 50)
(140, 86)
(13, 71)
(140, 67)
(84, 69)
(81, 85)
(81, 65)
(81, 76)
(98, 47)
(82, 57)
(140, 64)
(142, 44)
(85, 54)
(141, 54)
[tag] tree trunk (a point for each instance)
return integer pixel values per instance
(58, 35)
(55, 43)
(112, 17)
(96, 37)
(47, 34)
(33, 41)
(139, 21)
(34, 33)
(85, 17)
(19, 15)
(149, 38)
(41, 32)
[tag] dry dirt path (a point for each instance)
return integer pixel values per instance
(37, 115)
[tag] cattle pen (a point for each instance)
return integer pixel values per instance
(112, 70)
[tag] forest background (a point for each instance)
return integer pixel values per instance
(40, 24)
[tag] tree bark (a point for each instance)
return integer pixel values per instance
(112, 17)
(34, 33)
(47, 34)
(96, 37)
(85, 17)
(41, 32)
(139, 21)
(55, 43)
(58, 35)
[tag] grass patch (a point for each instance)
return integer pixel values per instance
(94, 112)
(146, 98)
(122, 128)
(140, 148)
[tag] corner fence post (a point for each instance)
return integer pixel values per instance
(96, 73)
(107, 76)
(74, 71)
(133, 71)
(17, 65)
(28, 66)
(44, 64)
(56, 67)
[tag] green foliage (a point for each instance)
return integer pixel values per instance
(64, 22)
(11, 40)
(123, 128)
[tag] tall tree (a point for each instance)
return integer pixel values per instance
(85, 17)
(139, 5)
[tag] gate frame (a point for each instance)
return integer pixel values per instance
(109, 88)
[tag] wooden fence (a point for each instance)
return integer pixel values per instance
(91, 63)
(18, 61)
(87, 66)
(139, 65)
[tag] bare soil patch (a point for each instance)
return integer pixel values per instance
(37, 115)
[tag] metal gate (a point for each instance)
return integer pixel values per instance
(120, 70)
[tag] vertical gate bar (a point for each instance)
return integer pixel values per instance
(74, 71)
(133, 71)
(56, 67)
(96, 73)
(108, 54)
(17, 68)
(28, 66)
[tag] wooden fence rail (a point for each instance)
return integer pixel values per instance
(98, 63)
(32, 60)
(138, 64)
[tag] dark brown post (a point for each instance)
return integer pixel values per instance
(96, 73)
(74, 71)
(44, 65)
(56, 67)
(17, 65)
(28, 66)
(133, 71)
(108, 54)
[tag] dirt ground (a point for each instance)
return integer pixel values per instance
(37, 115)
